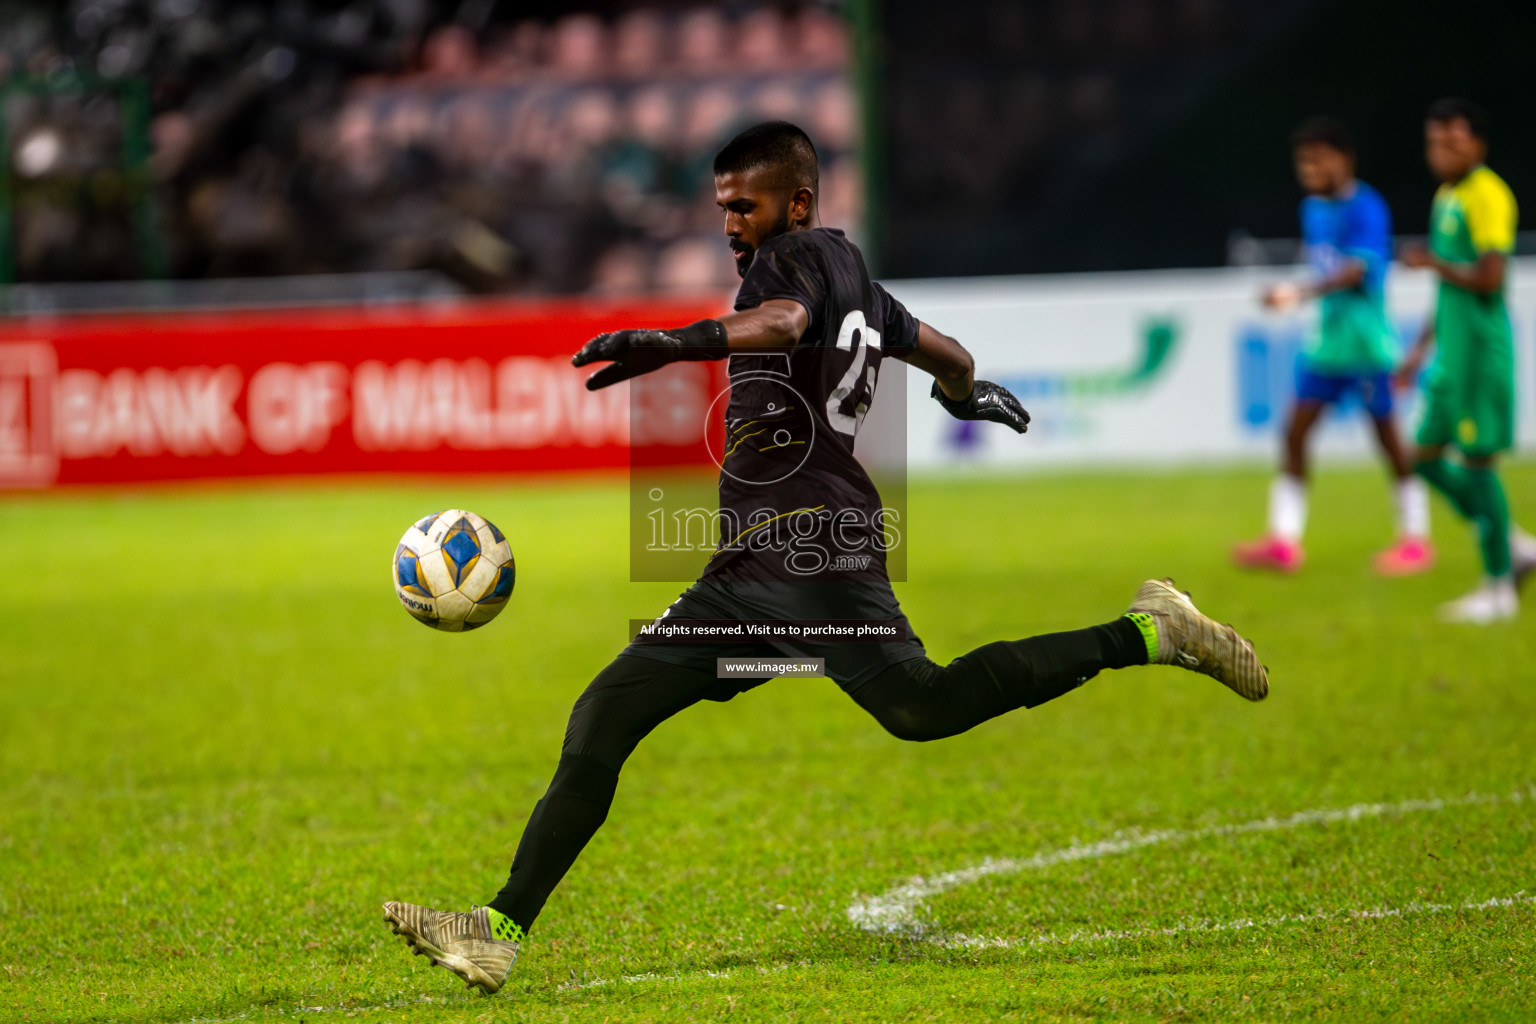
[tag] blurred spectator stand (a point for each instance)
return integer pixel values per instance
(75, 187)
(511, 153)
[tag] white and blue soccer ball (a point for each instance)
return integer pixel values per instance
(454, 571)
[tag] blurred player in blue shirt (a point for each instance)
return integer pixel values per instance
(1353, 349)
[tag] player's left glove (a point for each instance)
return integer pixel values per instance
(634, 352)
(987, 401)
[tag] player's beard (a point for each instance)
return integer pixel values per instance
(742, 266)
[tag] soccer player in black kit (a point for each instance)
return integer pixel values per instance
(805, 346)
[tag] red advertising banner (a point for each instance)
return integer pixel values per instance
(464, 388)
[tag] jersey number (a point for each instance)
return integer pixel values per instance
(859, 380)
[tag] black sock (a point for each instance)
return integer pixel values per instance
(561, 825)
(1122, 643)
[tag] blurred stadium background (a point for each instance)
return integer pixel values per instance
(172, 154)
(562, 148)
(321, 239)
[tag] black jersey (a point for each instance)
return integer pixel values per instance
(794, 502)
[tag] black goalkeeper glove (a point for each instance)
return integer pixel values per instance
(635, 352)
(987, 401)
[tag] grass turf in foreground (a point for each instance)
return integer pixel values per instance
(222, 745)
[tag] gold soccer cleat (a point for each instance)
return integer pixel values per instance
(461, 943)
(1189, 639)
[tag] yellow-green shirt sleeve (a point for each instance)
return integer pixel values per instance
(1490, 210)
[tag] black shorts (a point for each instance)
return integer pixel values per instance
(850, 664)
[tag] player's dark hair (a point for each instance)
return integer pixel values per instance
(1325, 131)
(774, 144)
(1454, 108)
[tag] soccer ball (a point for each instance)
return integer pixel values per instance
(453, 571)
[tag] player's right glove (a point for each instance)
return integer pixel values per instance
(987, 401)
(634, 352)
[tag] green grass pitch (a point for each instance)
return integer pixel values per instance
(223, 745)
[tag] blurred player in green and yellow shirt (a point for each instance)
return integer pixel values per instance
(1469, 390)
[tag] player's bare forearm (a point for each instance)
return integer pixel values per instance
(1347, 277)
(955, 386)
(1286, 296)
(777, 323)
(1484, 277)
(945, 359)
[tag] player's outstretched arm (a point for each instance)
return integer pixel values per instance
(776, 323)
(1287, 295)
(955, 386)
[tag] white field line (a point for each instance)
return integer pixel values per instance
(894, 912)
(1237, 924)
(969, 942)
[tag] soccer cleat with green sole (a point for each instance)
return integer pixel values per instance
(461, 943)
(1189, 639)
